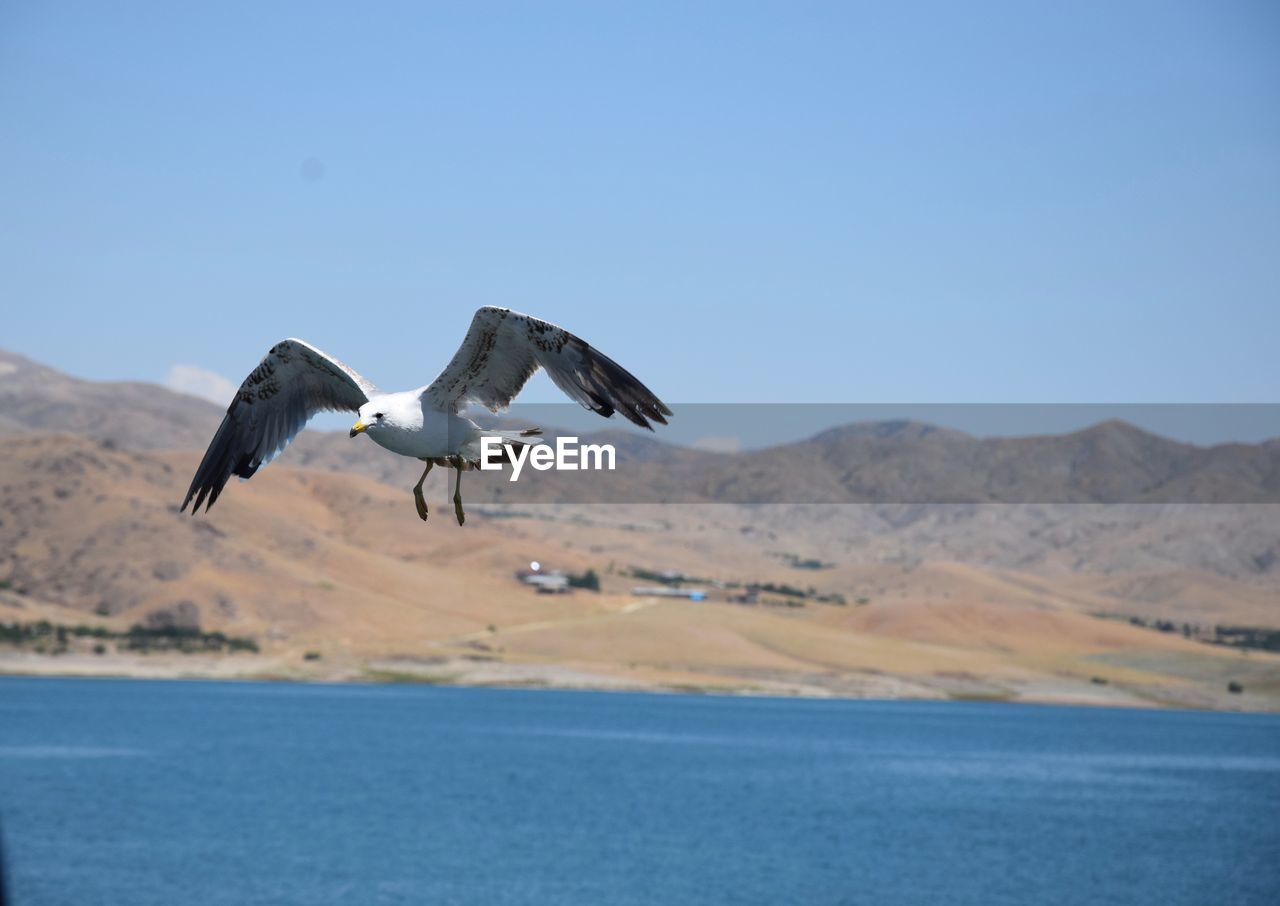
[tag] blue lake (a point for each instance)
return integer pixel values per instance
(122, 792)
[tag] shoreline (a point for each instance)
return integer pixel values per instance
(462, 674)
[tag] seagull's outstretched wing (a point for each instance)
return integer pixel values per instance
(504, 348)
(293, 382)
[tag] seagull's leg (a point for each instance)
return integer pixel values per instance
(418, 499)
(457, 491)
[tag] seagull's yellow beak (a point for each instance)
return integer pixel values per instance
(358, 428)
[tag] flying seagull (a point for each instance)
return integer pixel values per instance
(499, 354)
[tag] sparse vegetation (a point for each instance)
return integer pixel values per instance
(810, 594)
(666, 577)
(185, 639)
(588, 580)
(790, 595)
(782, 589)
(795, 561)
(1258, 638)
(55, 638)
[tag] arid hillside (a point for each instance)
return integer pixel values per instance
(330, 572)
(889, 462)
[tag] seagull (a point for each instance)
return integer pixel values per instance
(501, 351)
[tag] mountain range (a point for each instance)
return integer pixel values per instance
(899, 462)
(1004, 567)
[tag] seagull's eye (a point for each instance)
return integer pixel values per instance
(378, 416)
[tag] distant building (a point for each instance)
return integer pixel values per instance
(545, 581)
(663, 591)
(549, 588)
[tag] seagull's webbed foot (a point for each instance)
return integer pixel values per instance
(418, 500)
(457, 492)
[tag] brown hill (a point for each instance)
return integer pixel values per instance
(885, 463)
(882, 462)
(340, 565)
(938, 599)
(133, 415)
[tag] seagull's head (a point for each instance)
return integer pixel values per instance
(389, 414)
(372, 418)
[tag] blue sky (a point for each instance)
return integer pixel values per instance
(741, 202)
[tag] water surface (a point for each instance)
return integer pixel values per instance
(124, 792)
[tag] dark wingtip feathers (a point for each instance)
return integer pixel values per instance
(217, 466)
(614, 389)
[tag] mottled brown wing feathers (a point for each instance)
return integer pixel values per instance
(292, 383)
(503, 349)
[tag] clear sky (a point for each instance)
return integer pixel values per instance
(740, 201)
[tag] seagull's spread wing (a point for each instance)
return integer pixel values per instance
(504, 348)
(292, 383)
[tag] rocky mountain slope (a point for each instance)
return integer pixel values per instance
(881, 462)
(322, 553)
